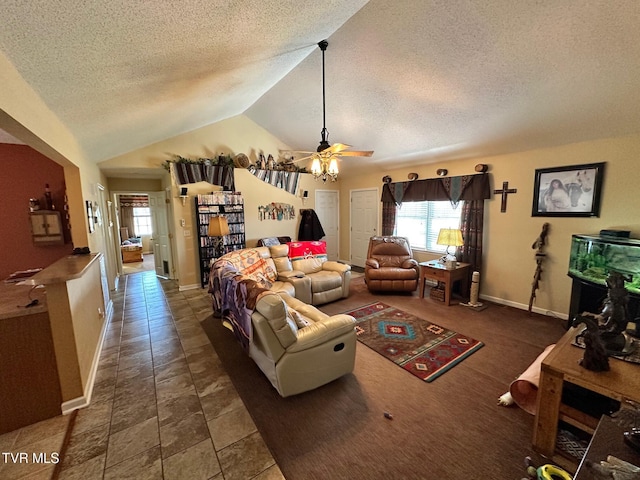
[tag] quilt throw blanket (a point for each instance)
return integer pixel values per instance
(422, 348)
(234, 298)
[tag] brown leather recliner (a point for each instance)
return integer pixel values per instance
(390, 265)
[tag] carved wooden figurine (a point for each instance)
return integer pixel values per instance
(595, 356)
(538, 245)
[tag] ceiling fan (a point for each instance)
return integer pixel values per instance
(325, 163)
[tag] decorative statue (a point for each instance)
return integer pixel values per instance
(615, 314)
(595, 356)
(605, 333)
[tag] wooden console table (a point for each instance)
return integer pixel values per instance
(621, 382)
(434, 270)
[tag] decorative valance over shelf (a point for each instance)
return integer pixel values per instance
(197, 172)
(454, 189)
(278, 178)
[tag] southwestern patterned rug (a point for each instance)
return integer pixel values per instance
(422, 348)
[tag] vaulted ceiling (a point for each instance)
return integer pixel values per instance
(415, 81)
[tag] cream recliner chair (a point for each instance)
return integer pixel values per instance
(298, 347)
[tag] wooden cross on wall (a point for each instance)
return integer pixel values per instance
(505, 191)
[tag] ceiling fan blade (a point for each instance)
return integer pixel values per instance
(355, 154)
(337, 147)
(295, 152)
(301, 159)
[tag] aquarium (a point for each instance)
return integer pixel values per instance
(593, 257)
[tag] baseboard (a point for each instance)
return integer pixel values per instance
(194, 286)
(75, 404)
(83, 401)
(523, 306)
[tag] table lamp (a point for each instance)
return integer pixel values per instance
(218, 227)
(451, 237)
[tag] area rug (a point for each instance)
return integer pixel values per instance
(420, 347)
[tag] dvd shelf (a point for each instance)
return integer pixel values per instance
(229, 205)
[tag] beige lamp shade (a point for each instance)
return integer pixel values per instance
(218, 227)
(450, 237)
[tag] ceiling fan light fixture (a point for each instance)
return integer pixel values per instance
(333, 166)
(325, 167)
(316, 169)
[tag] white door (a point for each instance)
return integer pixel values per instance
(160, 238)
(328, 211)
(106, 226)
(364, 223)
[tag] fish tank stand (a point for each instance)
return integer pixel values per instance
(592, 258)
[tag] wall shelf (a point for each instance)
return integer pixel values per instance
(46, 227)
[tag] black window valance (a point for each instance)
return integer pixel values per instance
(454, 189)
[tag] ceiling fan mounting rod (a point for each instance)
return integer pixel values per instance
(324, 144)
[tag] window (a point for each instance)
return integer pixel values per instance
(142, 220)
(420, 222)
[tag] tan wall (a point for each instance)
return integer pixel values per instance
(86, 301)
(134, 185)
(76, 311)
(238, 134)
(64, 341)
(509, 261)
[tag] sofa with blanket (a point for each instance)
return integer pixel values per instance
(309, 277)
(296, 346)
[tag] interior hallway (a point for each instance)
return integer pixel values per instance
(162, 405)
(145, 265)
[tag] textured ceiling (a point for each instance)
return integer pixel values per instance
(415, 81)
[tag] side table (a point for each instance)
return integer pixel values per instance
(434, 270)
(621, 383)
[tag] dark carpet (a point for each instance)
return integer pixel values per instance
(422, 348)
(448, 429)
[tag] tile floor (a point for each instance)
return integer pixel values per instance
(162, 405)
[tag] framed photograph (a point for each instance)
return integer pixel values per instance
(90, 216)
(572, 191)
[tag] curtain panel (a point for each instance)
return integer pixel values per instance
(471, 225)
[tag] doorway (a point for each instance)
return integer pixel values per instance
(364, 223)
(328, 211)
(142, 227)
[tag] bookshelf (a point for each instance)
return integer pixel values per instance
(229, 205)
